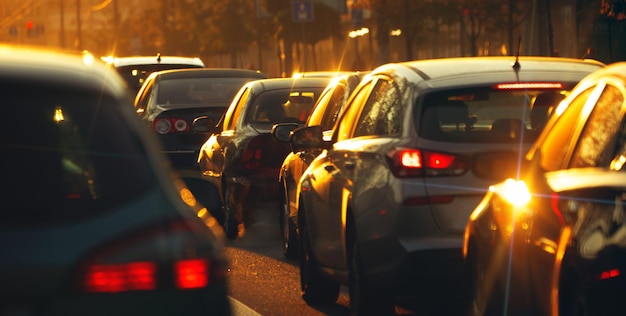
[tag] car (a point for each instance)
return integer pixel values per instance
(94, 221)
(552, 240)
(383, 208)
(170, 100)
(243, 156)
(325, 113)
(135, 69)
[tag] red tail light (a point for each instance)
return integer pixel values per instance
(191, 273)
(170, 125)
(113, 278)
(139, 263)
(609, 274)
(410, 162)
(251, 156)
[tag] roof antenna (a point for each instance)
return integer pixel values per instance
(158, 57)
(516, 65)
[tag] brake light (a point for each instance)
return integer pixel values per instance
(410, 162)
(609, 274)
(529, 85)
(191, 273)
(136, 276)
(119, 267)
(170, 125)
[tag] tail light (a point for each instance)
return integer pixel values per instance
(263, 151)
(140, 262)
(410, 162)
(170, 125)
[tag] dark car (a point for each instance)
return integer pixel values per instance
(383, 208)
(170, 101)
(244, 157)
(135, 69)
(94, 222)
(325, 113)
(553, 240)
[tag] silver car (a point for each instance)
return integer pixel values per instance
(384, 207)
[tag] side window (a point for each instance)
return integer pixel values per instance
(144, 98)
(336, 101)
(350, 115)
(233, 114)
(381, 114)
(555, 146)
(597, 143)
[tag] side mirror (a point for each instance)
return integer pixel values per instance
(282, 131)
(204, 124)
(307, 137)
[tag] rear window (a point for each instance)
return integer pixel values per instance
(135, 75)
(66, 155)
(199, 90)
(284, 105)
(488, 114)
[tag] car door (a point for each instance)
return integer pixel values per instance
(214, 151)
(331, 177)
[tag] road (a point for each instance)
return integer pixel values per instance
(263, 282)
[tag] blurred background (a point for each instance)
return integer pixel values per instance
(280, 37)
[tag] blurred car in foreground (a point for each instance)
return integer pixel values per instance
(553, 241)
(383, 209)
(135, 69)
(171, 100)
(325, 113)
(244, 157)
(94, 222)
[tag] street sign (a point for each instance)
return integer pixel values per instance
(302, 11)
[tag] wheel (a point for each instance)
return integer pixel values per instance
(316, 288)
(365, 298)
(288, 229)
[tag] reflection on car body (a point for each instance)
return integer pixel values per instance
(94, 221)
(244, 157)
(383, 208)
(553, 241)
(325, 114)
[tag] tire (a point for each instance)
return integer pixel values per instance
(316, 288)
(288, 230)
(365, 298)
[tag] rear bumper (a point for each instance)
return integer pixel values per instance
(206, 302)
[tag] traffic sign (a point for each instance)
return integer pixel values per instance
(302, 11)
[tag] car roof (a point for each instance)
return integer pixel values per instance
(152, 60)
(282, 83)
(209, 73)
(465, 71)
(55, 67)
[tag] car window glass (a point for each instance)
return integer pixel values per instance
(381, 114)
(556, 144)
(282, 106)
(198, 90)
(241, 101)
(67, 147)
(597, 143)
(144, 98)
(344, 127)
(336, 101)
(486, 114)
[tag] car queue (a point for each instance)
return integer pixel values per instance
(405, 187)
